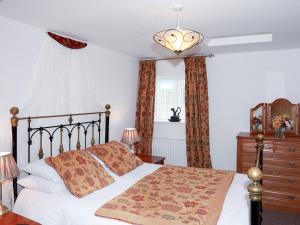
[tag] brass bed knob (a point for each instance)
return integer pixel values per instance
(255, 188)
(14, 119)
(255, 174)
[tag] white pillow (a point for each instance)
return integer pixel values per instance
(41, 169)
(40, 184)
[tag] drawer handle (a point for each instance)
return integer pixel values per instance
(292, 164)
(291, 180)
(292, 149)
(291, 197)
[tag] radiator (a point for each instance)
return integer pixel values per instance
(174, 150)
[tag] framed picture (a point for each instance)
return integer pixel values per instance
(258, 119)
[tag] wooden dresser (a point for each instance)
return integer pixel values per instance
(12, 218)
(281, 169)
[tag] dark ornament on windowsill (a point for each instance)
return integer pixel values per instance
(176, 113)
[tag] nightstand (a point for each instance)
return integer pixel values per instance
(152, 159)
(11, 218)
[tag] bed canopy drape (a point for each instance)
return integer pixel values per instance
(61, 82)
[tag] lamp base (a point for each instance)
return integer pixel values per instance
(131, 148)
(3, 209)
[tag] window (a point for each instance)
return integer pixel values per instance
(169, 93)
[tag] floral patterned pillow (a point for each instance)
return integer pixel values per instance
(116, 157)
(81, 173)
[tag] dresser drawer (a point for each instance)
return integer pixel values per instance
(282, 184)
(250, 154)
(249, 158)
(247, 166)
(291, 165)
(284, 181)
(250, 146)
(281, 171)
(281, 198)
(286, 149)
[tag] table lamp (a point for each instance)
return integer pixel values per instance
(8, 170)
(130, 136)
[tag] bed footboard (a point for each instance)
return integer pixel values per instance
(255, 174)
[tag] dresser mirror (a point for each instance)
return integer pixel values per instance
(257, 123)
(263, 117)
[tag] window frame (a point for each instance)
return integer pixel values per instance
(176, 78)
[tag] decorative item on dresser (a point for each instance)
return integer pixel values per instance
(15, 219)
(152, 159)
(8, 170)
(280, 115)
(281, 168)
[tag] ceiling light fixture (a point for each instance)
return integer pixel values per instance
(178, 40)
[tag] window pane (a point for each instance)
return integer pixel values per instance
(169, 94)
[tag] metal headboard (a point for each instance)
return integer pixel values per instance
(69, 128)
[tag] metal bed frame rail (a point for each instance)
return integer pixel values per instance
(255, 189)
(68, 129)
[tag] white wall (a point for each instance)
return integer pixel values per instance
(114, 75)
(237, 82)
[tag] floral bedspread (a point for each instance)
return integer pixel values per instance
(172, 195)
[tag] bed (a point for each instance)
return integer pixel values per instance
(63, 208)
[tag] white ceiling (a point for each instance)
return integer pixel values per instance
(128, 26)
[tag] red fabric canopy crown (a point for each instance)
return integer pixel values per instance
(67, 42)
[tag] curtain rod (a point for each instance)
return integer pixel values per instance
(180, 57)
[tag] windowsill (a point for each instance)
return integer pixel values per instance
(165, 121)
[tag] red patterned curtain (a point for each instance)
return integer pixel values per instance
(196, 108)
(145, 106)
(67, 42)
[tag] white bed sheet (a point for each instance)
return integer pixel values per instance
(63, 208)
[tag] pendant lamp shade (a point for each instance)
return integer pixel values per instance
(177, 39)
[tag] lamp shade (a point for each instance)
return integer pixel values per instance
(178, 40)
(8, 166)
(130, 136)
